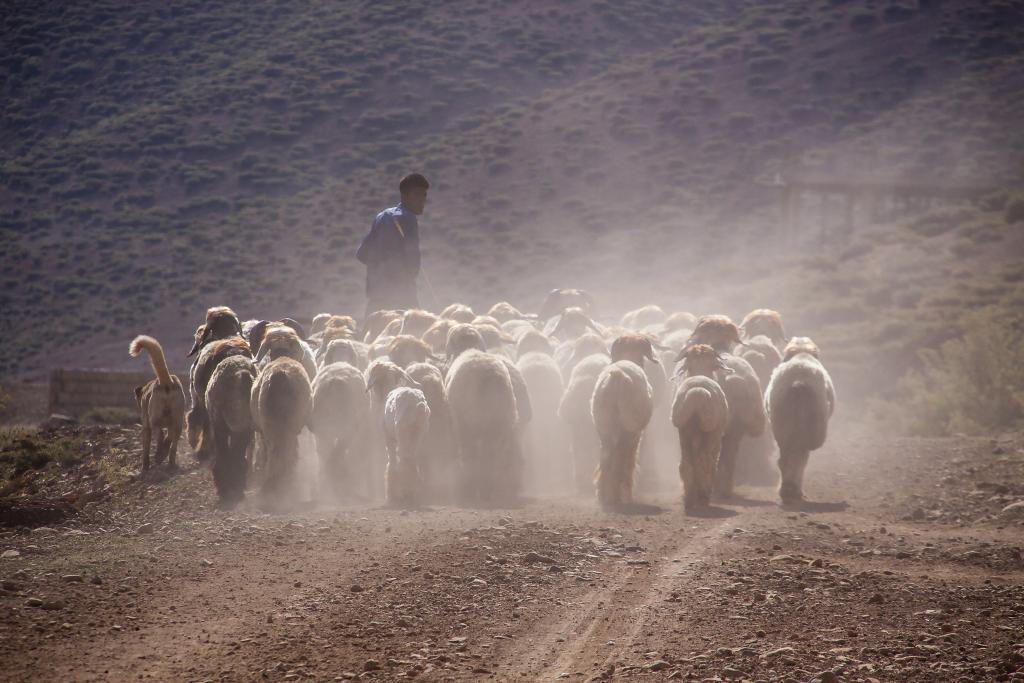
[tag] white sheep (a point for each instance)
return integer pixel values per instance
(339, 422)
(406, 423)
(485, 422)
(574, 411)
(643, 317)
(621, 408)
(438, 463)
(755, 458)
(547, 464)
(800, 401)
(700, 413)
(382, 377)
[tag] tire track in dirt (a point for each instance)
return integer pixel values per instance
(598, 633)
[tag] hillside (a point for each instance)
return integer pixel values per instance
(157, 160)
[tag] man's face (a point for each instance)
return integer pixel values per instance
(415, 200)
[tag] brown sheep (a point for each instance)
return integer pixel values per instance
(767, 322)
(742, 389)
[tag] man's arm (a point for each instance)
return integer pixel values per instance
(368, 251)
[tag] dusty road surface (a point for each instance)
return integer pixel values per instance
(919, 577)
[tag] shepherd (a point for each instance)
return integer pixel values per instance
(391, 251)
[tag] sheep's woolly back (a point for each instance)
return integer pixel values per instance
(437, 334)
(415, 322)
(431, 384)
(492, 335)
(406, 414)
(532, 341)
(503, 311)
(281, 400)
(743, 390)
(574, 407)
(340, 404)
(762, 355)
(680, 320)
(382, 377)
(344, 350)
(461, 338)
(376, 322)
(480, 393)
(622, 401)
(700, 397)
(156, 357)
(800, 400)
(460, 313)
(404, 350)
(642, 317)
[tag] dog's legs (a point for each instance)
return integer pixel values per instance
(173, 434)
(146, 438)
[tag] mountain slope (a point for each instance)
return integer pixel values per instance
(157, 161)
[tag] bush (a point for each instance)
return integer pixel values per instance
(972, 384)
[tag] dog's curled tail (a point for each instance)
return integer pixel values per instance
(156, 357)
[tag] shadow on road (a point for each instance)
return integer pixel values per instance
(712, 512)
(813, 506)
(635, 509)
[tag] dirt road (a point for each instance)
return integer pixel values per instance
(919, 577)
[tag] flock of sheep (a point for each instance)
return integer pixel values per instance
(458, 407)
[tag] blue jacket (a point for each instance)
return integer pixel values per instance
(391, 252)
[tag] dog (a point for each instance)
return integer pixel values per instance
(161, 404)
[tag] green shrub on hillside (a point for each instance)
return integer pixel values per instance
(972, 384)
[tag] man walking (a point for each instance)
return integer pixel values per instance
(391, 251)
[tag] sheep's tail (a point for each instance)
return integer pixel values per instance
(156, 357)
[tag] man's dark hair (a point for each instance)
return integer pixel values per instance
(411, 181)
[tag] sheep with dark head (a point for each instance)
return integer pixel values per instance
(558, 300)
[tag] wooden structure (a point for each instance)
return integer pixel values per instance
(841, 201)
(74, 392)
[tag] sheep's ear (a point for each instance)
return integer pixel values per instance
(682, 353)
(201, 342)
(238, 326)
